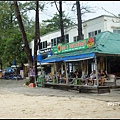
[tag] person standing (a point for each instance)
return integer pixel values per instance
(32, 74)
(43, 76)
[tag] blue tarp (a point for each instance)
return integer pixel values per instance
(69, 58)
(49, 60)
(80, 57)
(8, 69)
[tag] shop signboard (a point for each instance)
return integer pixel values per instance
(78, 45)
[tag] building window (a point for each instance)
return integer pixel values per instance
(116, 31)
(67, 38)
(92, 34)
(83, 36)
(95, 32)
(43, 45)
(99, 31)
(56, 41)
(52, 43)
(40, 46)
(75, 38)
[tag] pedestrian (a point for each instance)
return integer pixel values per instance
(43, 73)
(32, 74)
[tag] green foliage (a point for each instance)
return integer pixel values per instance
(10, 36)
(13, 49)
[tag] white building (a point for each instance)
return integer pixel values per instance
(90, 28)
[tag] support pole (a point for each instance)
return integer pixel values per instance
(106, 65)
(56, 73)
(96, 69)
(66, 73)
(87, 66)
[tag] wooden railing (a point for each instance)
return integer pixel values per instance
(75, 81)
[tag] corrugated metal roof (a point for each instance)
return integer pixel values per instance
(105, 43)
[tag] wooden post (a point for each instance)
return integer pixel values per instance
(66, 73)
(87, 66)
(96, 69)
(56, 72)
(106, 64)
(43, 80)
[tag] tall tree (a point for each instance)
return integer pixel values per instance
(80, 35)
(81, 10)
(37, 36)
(10, 33)
(61, 20)
(24, 36)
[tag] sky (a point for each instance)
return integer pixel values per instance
(111, 6)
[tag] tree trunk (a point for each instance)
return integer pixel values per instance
(37, 37)
(0, 64)
(61, 22)
(24, 37)
(80, 35)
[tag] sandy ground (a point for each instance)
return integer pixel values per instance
(20, 105)
(13, 105)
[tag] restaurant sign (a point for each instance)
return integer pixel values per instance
(79, 45)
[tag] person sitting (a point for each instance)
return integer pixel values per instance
(85, 78)
(78, 74)
(59, 75)
(48, 77)
(72, 74)
(71, 77)
(92, 77)
(19, 77)
(103, 77)
(63, 76)
(99, 77)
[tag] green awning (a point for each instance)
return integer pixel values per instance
(105, 43)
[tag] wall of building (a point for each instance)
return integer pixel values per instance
(103, 23)
(72, 31)
(112, 23)
(93, 25)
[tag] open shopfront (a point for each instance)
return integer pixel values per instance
(100, 53)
